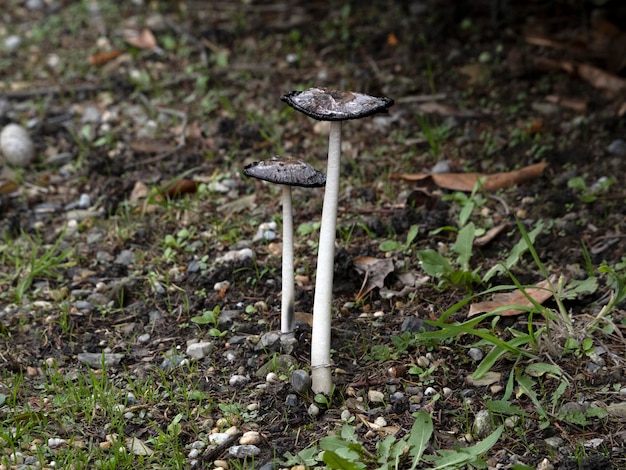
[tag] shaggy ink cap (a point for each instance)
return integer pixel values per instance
(336, 105)
(286, 170)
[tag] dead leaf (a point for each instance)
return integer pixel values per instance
(489, 378)
(478, 73)
(392, 40)
(143, 39)
(179, 188)
(304, 317)
(140, 191)
(136, 446)
(466, 181)
(540, 294)
(443, 109)
(104, 57)
(576, 104)
(375, 270)
(492, 233)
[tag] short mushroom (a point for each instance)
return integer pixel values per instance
(288, 172)
(335, 106)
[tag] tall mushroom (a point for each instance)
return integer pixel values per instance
(288, 172)
(335, 106)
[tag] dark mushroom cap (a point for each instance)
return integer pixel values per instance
(335, 105)
(286, 170)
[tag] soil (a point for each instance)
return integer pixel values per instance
(486, 87)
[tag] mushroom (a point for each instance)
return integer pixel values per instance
(335, 106)
(288, 172)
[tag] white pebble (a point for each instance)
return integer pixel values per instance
(375, 396)
(55, 442)
(313, 410)
(250, 437)
(218, 438)
(272, 378)
(16, 145)
(380, 421)
(238, 380)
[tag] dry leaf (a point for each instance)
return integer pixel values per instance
(140, 191)
(466, 181)
(490, 235)
(179, 188)
(489, 378)
(432, 107)
(540, 294)
(478, 74)
(375, 270)
(143, 39)
(136, 446)
(104, 57)
(304, 317)
(576, 104)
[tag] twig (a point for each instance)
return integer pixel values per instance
(214, 453)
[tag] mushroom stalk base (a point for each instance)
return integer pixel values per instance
(322, 303)
(288, 296)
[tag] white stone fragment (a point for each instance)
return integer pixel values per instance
(16, 145)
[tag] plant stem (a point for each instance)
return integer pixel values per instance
(322, 302)
(288, 297)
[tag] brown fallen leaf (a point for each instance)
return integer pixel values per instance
(178, 188)
(143, 39)
(103, 57)
(576, 104)
(140, 191)
(444, 109)
(492, 233)
(375, 270)
(540, 294)
(467, 181)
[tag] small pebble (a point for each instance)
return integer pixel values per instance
(617, 148)
(16, 145)
(313, 410)
(199, 350)
(55, 442)
(380, 421)
(475, 353)
(250, 438)
(375, 396)
(430, 391)
(346, 415)
(238, 380)
(243, 451)
(272, 378)
(218, 438)
(482, 424)
(291, 400)
(300, 381)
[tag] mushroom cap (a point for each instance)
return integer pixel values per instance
(286, 170)
(335, 105)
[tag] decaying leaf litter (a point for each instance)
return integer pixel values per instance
(131, 234)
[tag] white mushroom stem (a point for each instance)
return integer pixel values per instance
(322, 303)
(288, 296)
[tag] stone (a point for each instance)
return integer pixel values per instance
(475, 354)
(300, 381)
(375, 396)
(244, 451)
(238, 380)
(16, 145)
(199, 350)
(280, 364)
(97, 360)
(250, 438)
(482, 424)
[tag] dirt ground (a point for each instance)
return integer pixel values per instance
(153, 138)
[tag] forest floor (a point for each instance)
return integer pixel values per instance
(139, 287)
